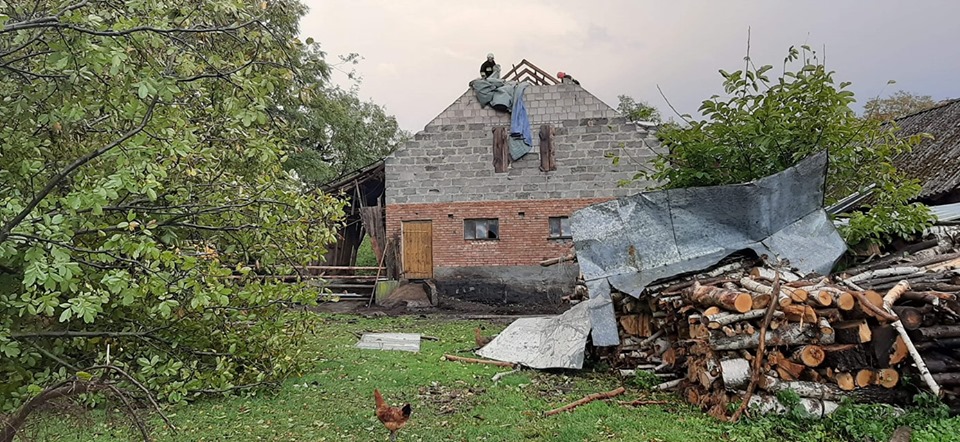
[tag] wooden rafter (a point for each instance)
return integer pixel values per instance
(530, 72)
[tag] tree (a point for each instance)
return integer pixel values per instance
(341, 134)
(761, 126)
(637, 110)
(899, 104)
(142, 190)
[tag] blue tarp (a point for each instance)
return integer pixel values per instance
(521, 141)
(508, 97)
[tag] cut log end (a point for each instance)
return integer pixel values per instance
(865, 377)
(845, 301)
(845, 381)
(743, 303)
(810, 355)
(888, 377)
(899, 352)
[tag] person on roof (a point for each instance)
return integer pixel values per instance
(488, 67)
(566, 78)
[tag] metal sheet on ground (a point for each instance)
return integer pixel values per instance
(390, 341)
(553, 342)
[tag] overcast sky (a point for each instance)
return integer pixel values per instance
(419, 55)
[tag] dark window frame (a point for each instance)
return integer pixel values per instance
(561, 222)
(490, 226)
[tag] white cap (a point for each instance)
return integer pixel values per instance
(490, 56)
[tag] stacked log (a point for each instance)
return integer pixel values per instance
(856, 334)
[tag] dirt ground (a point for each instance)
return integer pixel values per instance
(412, 299)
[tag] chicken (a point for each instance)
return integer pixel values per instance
(482, 340)
(394, 418)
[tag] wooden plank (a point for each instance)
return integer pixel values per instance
(417, 249)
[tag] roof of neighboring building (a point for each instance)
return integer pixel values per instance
(936, 162)
(347, 180)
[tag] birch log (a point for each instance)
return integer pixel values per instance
(719, 297)
(895, 293)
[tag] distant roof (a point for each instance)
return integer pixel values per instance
(936, 162)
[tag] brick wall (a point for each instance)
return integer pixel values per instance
(452, 158)
(523, 238)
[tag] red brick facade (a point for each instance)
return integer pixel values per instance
(524, 230)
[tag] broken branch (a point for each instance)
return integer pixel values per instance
(477, 361)
(586, 400)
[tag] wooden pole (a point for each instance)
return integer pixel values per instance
(373, 293)
(758, 358)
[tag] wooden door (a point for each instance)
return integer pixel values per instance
(417, 249)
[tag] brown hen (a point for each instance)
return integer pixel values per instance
(394, 418)
(482, 340)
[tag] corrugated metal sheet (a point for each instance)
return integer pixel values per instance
(635, 240)
(936, 163)
(947, 212)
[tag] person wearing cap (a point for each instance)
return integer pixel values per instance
(487, 67)
(566, 78)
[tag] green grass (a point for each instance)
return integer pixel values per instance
(451, 401)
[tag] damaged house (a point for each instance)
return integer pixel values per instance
(477, 212)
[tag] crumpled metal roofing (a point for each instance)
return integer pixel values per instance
(936, 162)
(630, 242)
(549, 342)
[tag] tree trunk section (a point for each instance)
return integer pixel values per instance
(950, 343)
(719, 297)
(736, 373)
(799, 313)
(947, 378)
(789, 334)
(910, 317)
(899, 352)
(884, 339)
(848, 357)
(938, 332)
(852, 332)
(789, 370)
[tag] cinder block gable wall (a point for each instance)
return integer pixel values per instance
(451, 160)
(446, 175)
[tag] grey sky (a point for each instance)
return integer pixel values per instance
(419, 55)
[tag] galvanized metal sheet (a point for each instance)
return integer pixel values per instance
(946, 213)
(390, 341)
(633, 241)
(603, 320)
(552, 342)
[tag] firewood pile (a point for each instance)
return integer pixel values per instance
(878, 332)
